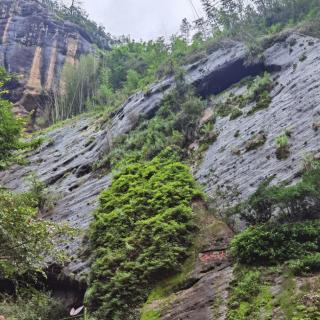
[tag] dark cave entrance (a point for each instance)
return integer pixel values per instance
(224, 78)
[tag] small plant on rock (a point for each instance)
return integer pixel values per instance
(235, 113)
(282, 143)
(256, 141)
(316, 125)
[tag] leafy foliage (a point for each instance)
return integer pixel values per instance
(78, 88)
(274, 244)
(250, 20)
(32, 305)
(291, 203)
(306, 264)
(252, 295)
(141, 232)
(11, 129)
(282, 143)
(258, 90)
(132, 66)
(23, 237)
(174, 125)
(248, 295)
(10, 126)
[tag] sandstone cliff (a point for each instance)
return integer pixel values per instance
(35, 44)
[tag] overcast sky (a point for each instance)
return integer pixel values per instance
(142, 19)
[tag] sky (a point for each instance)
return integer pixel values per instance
(142, 19)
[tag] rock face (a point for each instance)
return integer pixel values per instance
(35, 45)
(203, 294)
(65, 160)
(294, 107)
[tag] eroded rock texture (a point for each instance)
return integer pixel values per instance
(35, 45)
(203, 294)
(294, 107)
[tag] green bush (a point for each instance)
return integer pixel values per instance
(23, 237)
(10, 126)
(176, 124)
(249, 294)
(274, 244)
(235, 113)
(247, 286)
(32, 305)
(290, 203)
(306, 264)
(141, 233)
(258, 90)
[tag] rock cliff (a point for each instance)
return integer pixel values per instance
(35, 44)
(64, 162)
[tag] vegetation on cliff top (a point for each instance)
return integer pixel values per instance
(73, 11)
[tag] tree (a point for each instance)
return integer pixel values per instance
(24, 238)
(185, 29)
(79, 86)
(10, 126)
(76, 5)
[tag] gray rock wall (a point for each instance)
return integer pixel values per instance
(295, 106)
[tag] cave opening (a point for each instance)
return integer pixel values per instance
(224, 78)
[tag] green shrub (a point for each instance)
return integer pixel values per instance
(176, 124)
(235, 113)
(151, 315)
(248, 295)
(10, 126)
(247, 286)
(306, 264)
(258, 90)
(290, 203)
(23, 237)
(39, 194)
(32, 305)
(141, 232)
(260, 86)
(274, 244)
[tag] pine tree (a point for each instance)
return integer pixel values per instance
(185, 29)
